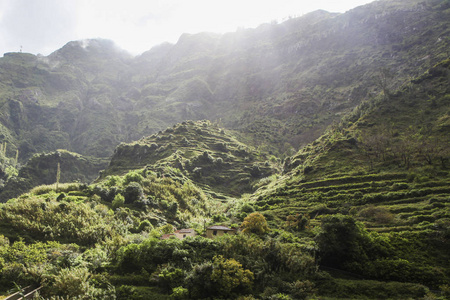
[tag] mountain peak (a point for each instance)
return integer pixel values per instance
(96, 47)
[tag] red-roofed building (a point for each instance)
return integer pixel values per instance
(167, 236)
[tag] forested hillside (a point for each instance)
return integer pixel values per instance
(302, 160)
(345, 219)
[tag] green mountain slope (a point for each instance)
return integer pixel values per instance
(280, 85)
(385, 165)
(42, 169)
(361, 212)
(347, 219)
(401, 138)
(202, 151)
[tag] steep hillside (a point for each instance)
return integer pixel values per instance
(202, 151)
(385, 165)
(282, 84)
(43, 169)
(350, 218)
(394, 147)
(361, 212)
(279, 85)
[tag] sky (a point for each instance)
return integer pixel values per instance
(43, 26)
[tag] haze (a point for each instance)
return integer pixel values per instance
(43, 26)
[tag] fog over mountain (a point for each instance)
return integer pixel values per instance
(300, 159)
(43, 26)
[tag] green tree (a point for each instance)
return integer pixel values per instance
(230, 277)
(113, 180)
(255, 223)
(199, 281)
(132, 176)
(170, 278)
(118, 201)
(179, 293)
(133, 192)
(342, 242)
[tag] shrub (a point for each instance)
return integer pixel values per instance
(377, 214)
(247, 208)
(113, 180)
(73, 283)
(297, 222)
(118, 201)
(255, 223)
(133, 192)
(179, 293)
(132, 176)
(301, 289)
(145, 225)
(170, 277)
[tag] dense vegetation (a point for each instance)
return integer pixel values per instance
(202, 151)
(361, 211)
(43, 169)
(343, 221)
(385, 165)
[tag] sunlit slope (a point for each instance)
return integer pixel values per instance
(202, 151)
(387, 166)
(283, 84)
(401, 137)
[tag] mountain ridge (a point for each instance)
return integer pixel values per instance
(275, 70)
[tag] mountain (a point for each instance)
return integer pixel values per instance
(355, 214)
(397, 141)
(280, 85)
(320, 145)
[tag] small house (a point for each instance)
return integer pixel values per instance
(216, 230)
(179, 234)
(166, 236)
(184, 233)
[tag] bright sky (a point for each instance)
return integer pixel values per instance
(43, 26)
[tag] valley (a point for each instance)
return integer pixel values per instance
(322, 142)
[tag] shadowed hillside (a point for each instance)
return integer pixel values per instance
(279, 85)
(43, 169)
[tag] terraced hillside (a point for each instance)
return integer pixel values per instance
(390, 202)
(202, 151)
(386, 166)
